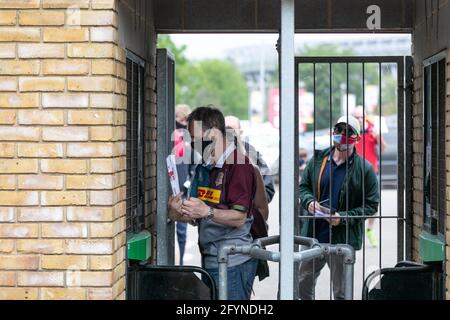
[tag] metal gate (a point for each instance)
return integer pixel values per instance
(135, 144)
(330, 87)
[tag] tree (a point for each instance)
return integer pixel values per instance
(211, 81)
(323, 103)
(219, 82)
(183, 68)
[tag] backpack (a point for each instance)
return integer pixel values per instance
(259, 228)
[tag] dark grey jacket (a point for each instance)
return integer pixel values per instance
(256, 157)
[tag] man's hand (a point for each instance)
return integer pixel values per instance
(195, 208)
(335, 219)
(313, 206)
(174, 206)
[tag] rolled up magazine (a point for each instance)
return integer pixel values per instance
(173, 174)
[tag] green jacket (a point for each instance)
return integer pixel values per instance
(356, 171)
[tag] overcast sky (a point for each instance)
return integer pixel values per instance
(200, 46)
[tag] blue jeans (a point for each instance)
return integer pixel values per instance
(239, 281)
(181, 237)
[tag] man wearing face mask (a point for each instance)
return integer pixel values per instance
(220, 200)
(337, 187)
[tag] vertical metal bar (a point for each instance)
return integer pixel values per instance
(135, 14)
(170, 144)
(287, 126)
(129, 292)
(426, 126)
(408, 157)
(314, 170)
(401, 160)
(381, 161)
(223, 280)
(330, 163)
(348, 295)
(364, 168)
(348, 276)
(133, 217)
(163, 245)
(140, 151)
(299, 208)
(346, 161)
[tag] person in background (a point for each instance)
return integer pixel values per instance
(182, 112)
(234, 123)
(332, 190)
(302, 160)
(371, 140)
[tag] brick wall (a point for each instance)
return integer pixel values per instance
(62, 150)
(431, 36)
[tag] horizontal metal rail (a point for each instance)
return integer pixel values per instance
(315, 250)
(362, 59)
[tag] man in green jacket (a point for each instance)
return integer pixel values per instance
(338, 188)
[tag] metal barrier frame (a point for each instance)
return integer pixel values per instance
(403, 64)
(315, 250)
(400, 62)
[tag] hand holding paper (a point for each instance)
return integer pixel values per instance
(322, 211)
(318, 210)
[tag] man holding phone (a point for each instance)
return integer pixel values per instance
(333, 191)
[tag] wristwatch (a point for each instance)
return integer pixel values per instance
(210, 215)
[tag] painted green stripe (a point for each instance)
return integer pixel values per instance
(238, 207)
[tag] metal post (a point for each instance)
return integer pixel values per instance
(222, 260)
(223, 288)
(349, 261)
(166, 125)
(287, 155)
(348, 276)
(315, 250)
(401, 161)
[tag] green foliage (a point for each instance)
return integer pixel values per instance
(214, 81)
(219, 82)
(340, 84)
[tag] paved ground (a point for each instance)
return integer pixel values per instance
(367, 260)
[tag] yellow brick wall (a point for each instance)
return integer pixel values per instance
(62, 150)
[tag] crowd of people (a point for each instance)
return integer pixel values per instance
(226, 187)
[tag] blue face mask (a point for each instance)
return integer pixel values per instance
(337, 138)
(301, 162)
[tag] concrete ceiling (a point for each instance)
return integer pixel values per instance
(173, 16)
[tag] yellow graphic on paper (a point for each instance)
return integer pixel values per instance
(208, 194)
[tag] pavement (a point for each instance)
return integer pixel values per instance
(368, 259)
